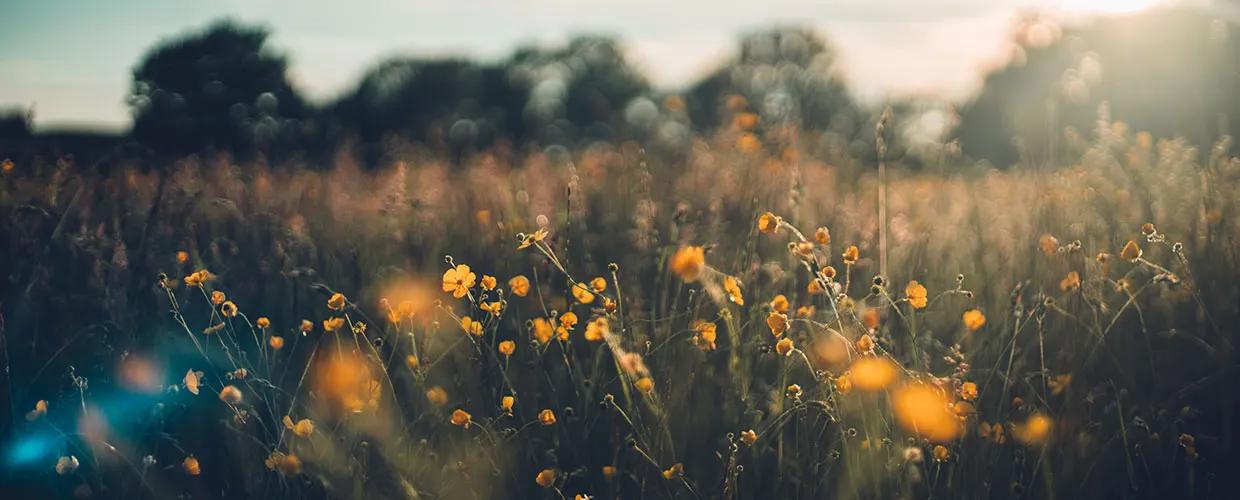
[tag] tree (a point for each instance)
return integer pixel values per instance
(215, 89)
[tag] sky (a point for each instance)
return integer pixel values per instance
(71, 60)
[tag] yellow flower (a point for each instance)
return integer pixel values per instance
(306, 326)
(190, 465)
(1059, 383)
(609, 471)
(488, 282)
(780, 304)
(644, 384)
(492, 307)
(217, 297)
(973, 319)
(871, 318)
(851, 255)
(705, 333)
(529, 239)
(1035, 430)
(437, 396)
(507, 347)
(471, 327)
(688, 262)
(916, 294)
(568, 320)
(597, 329)
(69, 464)
(542, 330)
(546, 417)
(228, 309)
(192, 381)
(333, 324)
(286, 464)
(40, 409)
(506, 402)
(262, 322)
(412, 362)
(461, 418)
(1048, 244)
(749, 437)
(520, 285)
(231, 395)
(336, 302)
(843, 384)
(778, 323)
(814, 287)
(199, 277)
(793, 391)
(873, 373)
(828, 272)
(968, 391)
(276, 342)
(865, 343)
(784, 347)
(303, 427)
(733, 288)
(940, 452)
(923, 409)
(545, 478)
(582, 293)
(1131, 251)
(1070, 282)
(598, 284)
(822, 236)
(674, 472)
(182, 257)
(458, 280)
(768, 223)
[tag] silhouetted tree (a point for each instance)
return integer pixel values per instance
(216, 89)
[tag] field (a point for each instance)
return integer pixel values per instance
(737, 322)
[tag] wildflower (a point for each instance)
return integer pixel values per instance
(40, 409)
(822, 236)
(644, 384)
(192, 381)
(913, 454)
(488, 282)
(7, 166)
(262, 322)
(1148, 229)
(609, 305)
(941, 453)
(492, 307)
(182, 257)
(704, 334)
(218, 297)
(843, 384)
(768, 223)
(793, 391)
(1034, 430)
(199, 278)
(437, 396)
(458, 281)
(873, 373)
(749, 437)
(530, 239)
(191, 466)
(870, 319)
(597, 329)
(582, 293)
(471, 327)
(968, 391)
(228, 309)
(287, 464)
(1071, 282)
(238, 374)
(1059, 383)
(675, 471)
(1048, 244)
(916, 294)
(542, 330)
(68, 464)
(784, 347)
(688, 262)
(814, 287)
(802, 249)
(303, 427)
(461, 418)
(733, 288)
(306, 326)
(923, 409)
(828, 273)
(973, 319)
(276, 342)
(609, 471)
(780, 304)
(851, 255)
(519, 285)
(506, 402)
(412, 362)
(231, 395)
(1131, 251)
(865, 343)
(545, 478)
(805, 311)
(568, 320)
(546, 417)
(336, 302)
(598, 284)
(778, 323)
(507, 347)
(333, 324)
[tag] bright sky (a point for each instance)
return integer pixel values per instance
(71, 59)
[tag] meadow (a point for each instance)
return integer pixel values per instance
(607, 322)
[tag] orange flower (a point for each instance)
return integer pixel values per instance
(182, 257)
(768, 223)
(780, 304)
(228, 309)
(814, 287)
(784, 347)
(192, 381)
(968, 391)
(1059, 383)
(458, 280)
(940, 452)
(582, 293)
(873, 373)
(306, 326)
(705, 333)
(1035, 430)
(865, 343)
(40, 409)
(437, 396)
(688, 262)
(542, 330)
(412, 362)
(507, 347)
(870, 319)
(1048, 244)
(749, 437)
(276, 342)
(916, 294)
(190, 465)
(546, 417)
(644, 384)
(303, 427)
(598, 284)
(822, 236)
(923, 409)
(568, 320)
(262, 322)
(492, 307)
(545, 478)
(520, 285)
(843, 384)
(336, 302)
(471, 327)
(488, 282)
(199, 278)
(218, 297)
(69, 464)
(231, 395)
(1070, 282)
(733, 288)
(286, 464)
(1131, 251)
(778, 323)
(461, 418)
(333, 324)
(609, 472)
(506, 402)
(973, 319)
(851, 255)
(597, 329)
(675, 471)
(530, 239)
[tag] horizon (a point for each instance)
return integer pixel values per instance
(71, 80)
